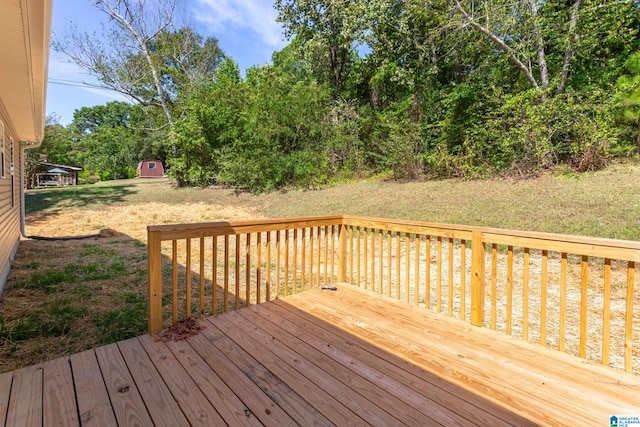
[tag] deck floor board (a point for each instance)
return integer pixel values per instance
(345, 357)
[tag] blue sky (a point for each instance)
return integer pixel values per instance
(246, 31)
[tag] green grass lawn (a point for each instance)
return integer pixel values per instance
(601, 204)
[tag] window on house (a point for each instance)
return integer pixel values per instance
(152, 165)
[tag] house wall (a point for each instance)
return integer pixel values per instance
(9, 197)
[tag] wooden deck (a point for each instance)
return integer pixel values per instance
(346, 357)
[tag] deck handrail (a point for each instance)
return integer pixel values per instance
(485, 276)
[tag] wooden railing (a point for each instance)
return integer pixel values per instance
(576, 294)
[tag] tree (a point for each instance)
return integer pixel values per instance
(121, 58)
(56, 147)
(629, 95)
(106, 144)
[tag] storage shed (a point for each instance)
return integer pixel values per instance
(150, 169)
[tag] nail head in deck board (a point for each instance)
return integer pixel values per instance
(25, 403)
(91, 393)
(322, 401)
(219, 394)
(308, 369)
(259, 403)
(162, 407)
(59, 408)
(277, 390)
(193, 403)
(128, 407)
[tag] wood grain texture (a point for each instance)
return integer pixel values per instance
(25, 404)
(59, 406)
(94, 406)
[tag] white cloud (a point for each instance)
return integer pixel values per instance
(257, 16)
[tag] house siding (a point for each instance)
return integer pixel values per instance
(9, 202)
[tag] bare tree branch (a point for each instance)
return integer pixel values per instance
(569, 50)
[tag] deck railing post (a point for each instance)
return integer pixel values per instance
(477, 279)
(154, 247)
(342, 252)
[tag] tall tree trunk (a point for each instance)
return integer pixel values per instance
(568, 53)
(114, 14)
(542, 62)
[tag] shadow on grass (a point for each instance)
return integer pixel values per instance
(39, 201)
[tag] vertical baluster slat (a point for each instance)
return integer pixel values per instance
(494, 285)
(334, 233)
(463, 279)
(439, 274)
(286, 263)
(258, 267)
(373, 259)
(509, 289)
(268, 262)
(247, 270)
(544, 280)
(450, 275)
(563, 301)
(294, 279)
(427, 272)
(407, 266)
(174, 281)
(214, 275)
(226, 273)
(278, 248)
(525, 294)
(398, 265)
(583, 305)
(606, 312)
(201, 301)
(389, 263)
(416, 284)
(187, 281)
(628, 328)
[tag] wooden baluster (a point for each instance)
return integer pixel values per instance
(366, 257)
(358, 241)
(278, 244)
(439, 274)
(294, 279)
(303, 260)
(525, 295)
(226, 273)
(563, 300)
(389, 263)
(188, 281)
(543, 297)
(606, 312)
(398, 258)
(201, 313)
(286, 263)
(583, 305)
(214, 276)
(477, 279)
(268, 261)
(318, 270)
(333, 253)
(450, 274)
(463, 279)
(258, 266)
(237, 273)
(310, 257)
(350, 255)
(326, 256)
(427, 274)
(494, 285)
(407, 267)
(373, 259)
(174, 281)
(509, 288)
(416, 285)
(628, 339)
(247, 270)
(380, 263)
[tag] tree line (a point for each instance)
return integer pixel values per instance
(406, 89)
